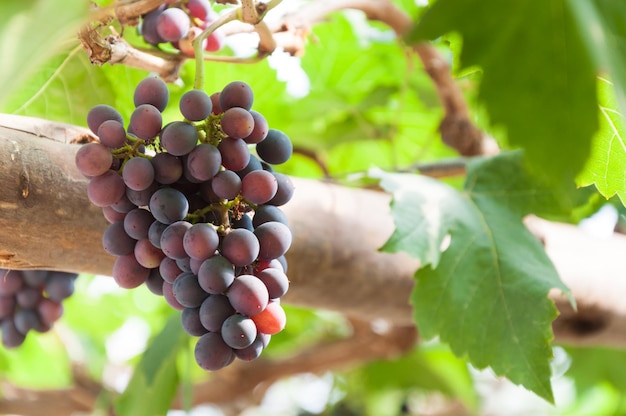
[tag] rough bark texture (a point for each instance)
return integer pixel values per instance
(334, 264)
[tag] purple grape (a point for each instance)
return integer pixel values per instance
(240, 247)
(267, 213)
(274, 239)
(168, 294)
(49, 311)
(248, 295)
(203, 162)
(276, 148)
(200, 9)
(105, 189)
(260, 130)
(254, 350)
(154, 282)
(34, 278)
(152, 90)
(172, 240)
(11, 337)
(188, 292)
(155, 231)
(148, 255)
(238, 331)
(235, 154)
(237, 122)
(59, 286)
(195, 105)
(149, 27)
(179, 138)
(200, 241)
(123, 205)
(168, 205)
(26, 320)
(10, 282)
(145, 122)
(253, 164)
(190, 319)
(142, 198)
(236, 94)
(173, 24)
(214, 311)
(226, 184)
(169, 270)
(259, 186)
(275, 281)
(112, 134)
(93, 159)
(112, 215)
(116, 241)
(285, 190)
(216, 274)
(101, 113)
(167, 168)
(128, 273)
(138, 173)
(137, 223)
(29, 297)
(212, 353)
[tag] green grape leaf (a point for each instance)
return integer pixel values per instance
(155, 380)
(591, 367)
(606, 168)
(485, 294)
(538, 76)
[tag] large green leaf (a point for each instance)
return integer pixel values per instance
(31, 32)
(155, 380)
(591, 367)
(606, 168)
(486, 293)
(538, 74)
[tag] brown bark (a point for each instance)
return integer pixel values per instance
(334, 262)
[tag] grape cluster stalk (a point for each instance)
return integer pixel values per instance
(179, 24)
(31, 300)
(194, 212)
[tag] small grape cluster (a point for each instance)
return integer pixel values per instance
(179, 24)
(31, 300)
(194, 214)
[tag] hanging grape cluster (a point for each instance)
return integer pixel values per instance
(179, 24)
(31, 300)
(194, 214)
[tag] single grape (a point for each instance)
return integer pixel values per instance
(274, 239)
(285, 190)
(137, 223)
(59, 285)
(214, 311)
(93, 159)
(149, 26)
(253, 164)
(259, 186)
(240, 247)
(34, 278)
(215, 41)
(26, 320)
(212, 353)
(238, 331)
(236, 94)
(200, 9)
(173, 24)
(101, 113)
(105, 189)
(203, 162)
(179, 138)
(142, 198)
(145, 122)
(49, 311)
(172, 240)
(152, 90)
(167, 168)
(116, 241)
(215, 100)
(128, 273)
(29, 297)
(10, 282)
(195, 105)
(138, 173)
(260, 130)
(235, 153)
(11, 337)
(155, 231)
(248, 295)
(276, 148)
(254, 350)
(188, 292)
(200, 241)
(168, 295)
(112, 134)
(275, 281)
(123, 205)
(112, 215)
(267, 213)
(237, 122)
(244, 222)
(216, 274)
(168, 205)
(226, 184)
(190, 319)
(272, 320)
(148, 255)
(169, 270)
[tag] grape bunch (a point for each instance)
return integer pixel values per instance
(179, 24)
(194, 214)
(31, 300)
